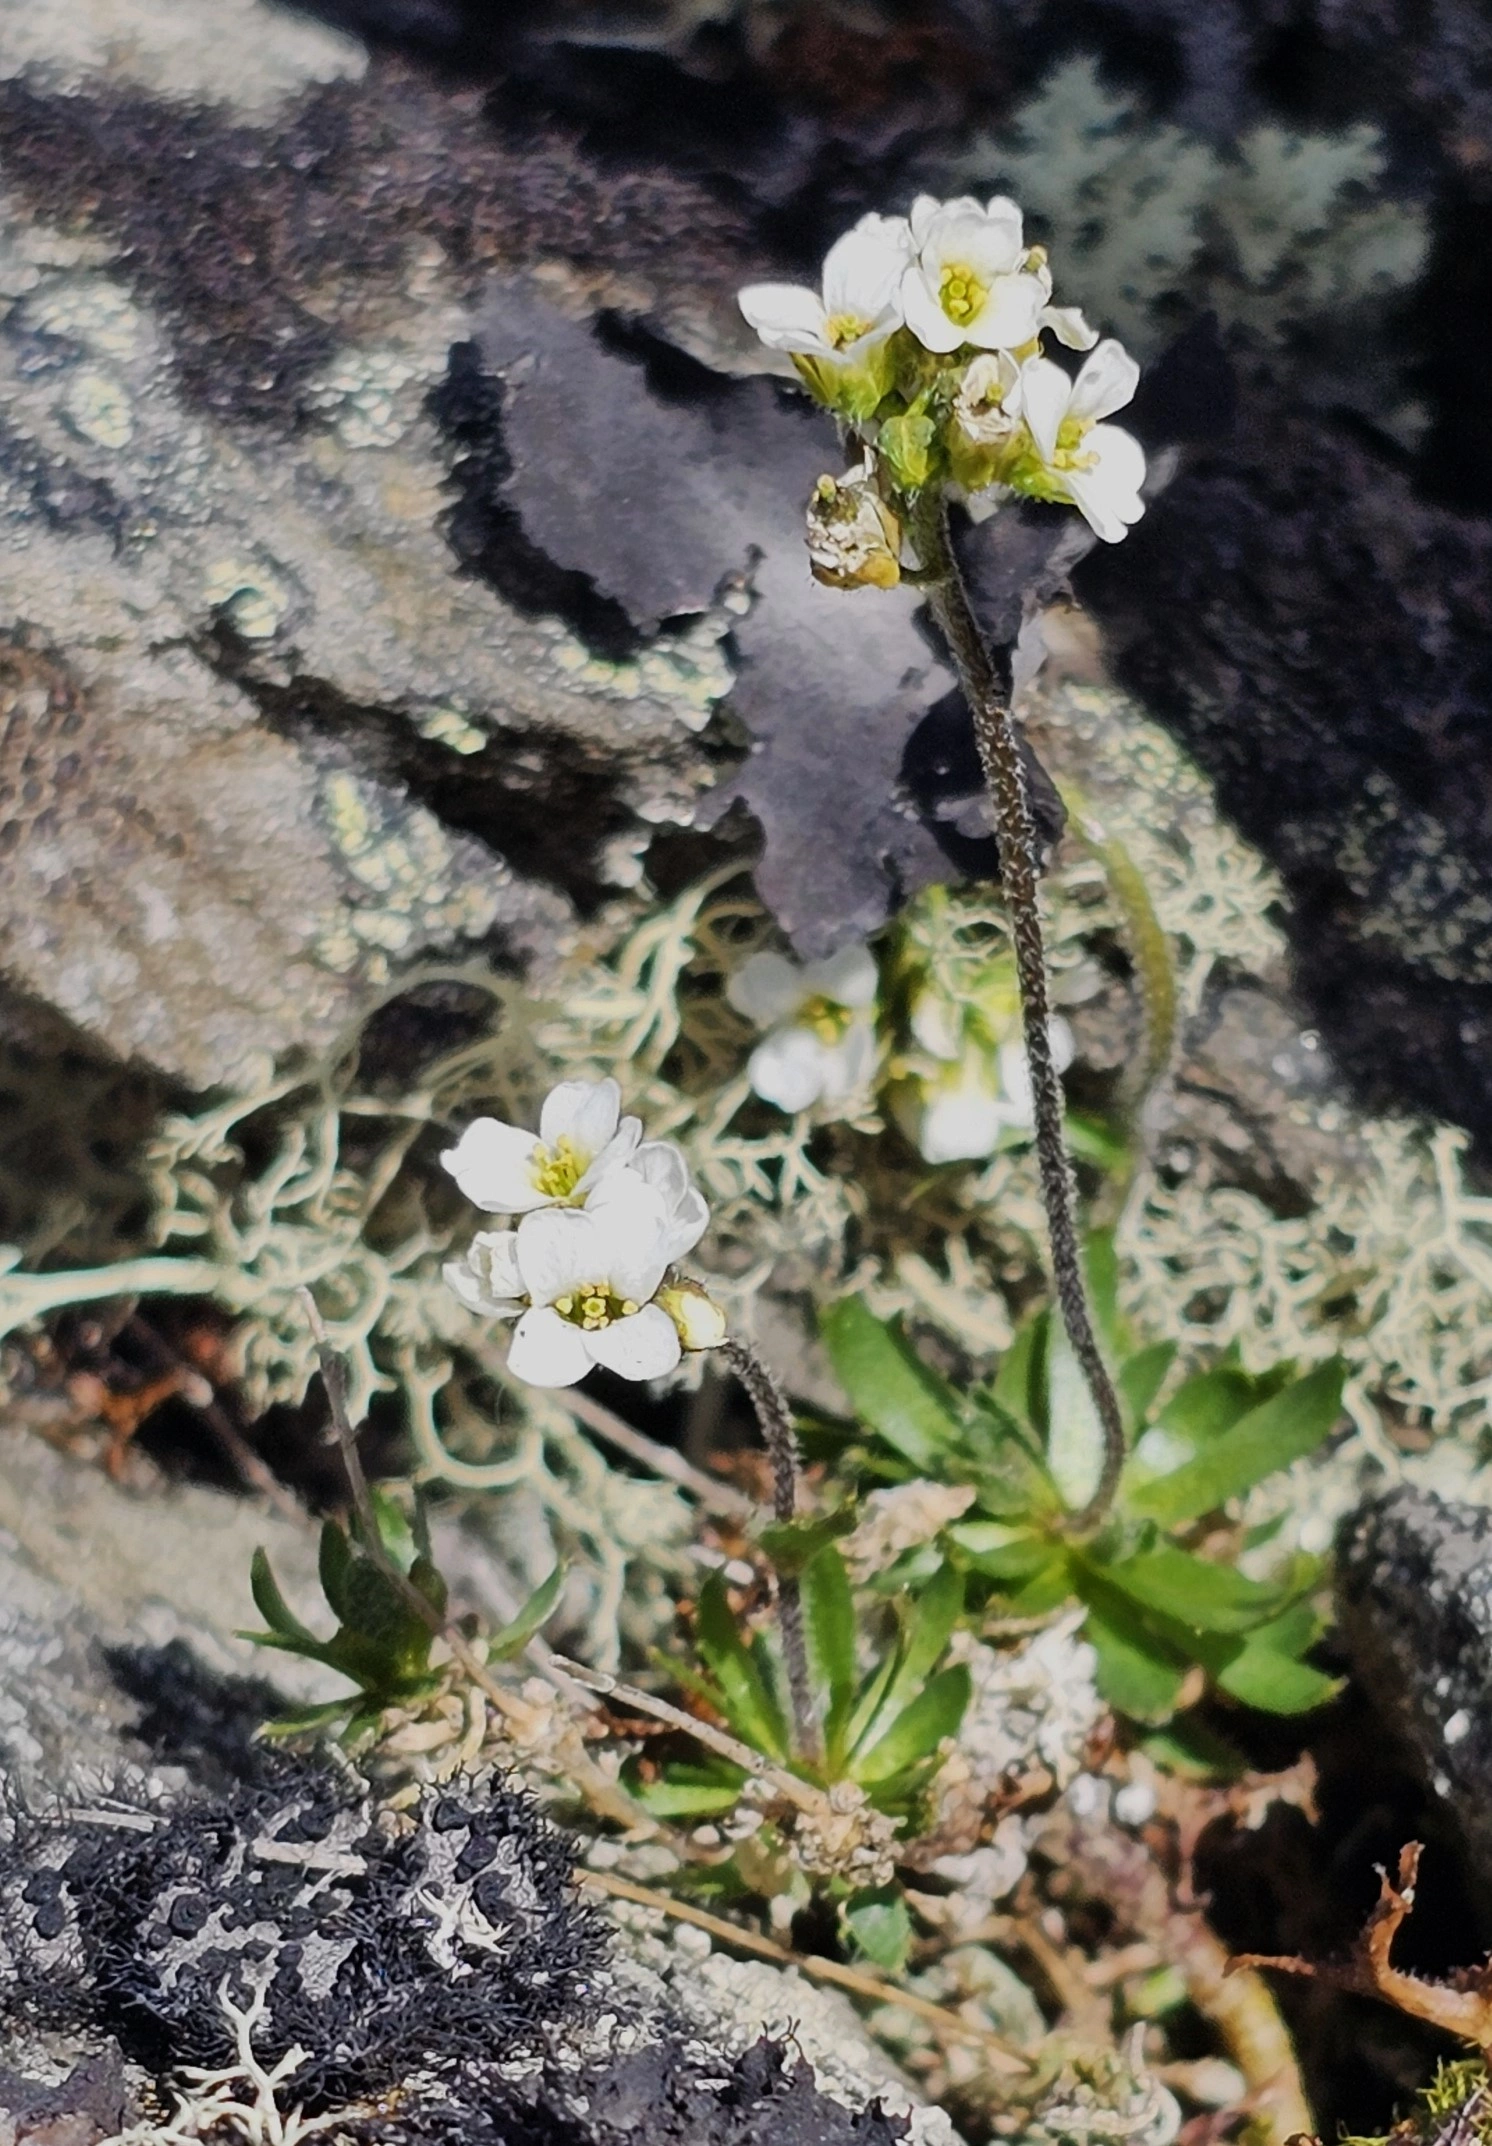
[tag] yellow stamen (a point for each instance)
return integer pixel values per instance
(842, 328)
(961, 294)
(828, 1020)
(594, 1306)
(558, 1170)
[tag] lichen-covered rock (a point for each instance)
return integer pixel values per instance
(87, 1573)
(1414, 1596)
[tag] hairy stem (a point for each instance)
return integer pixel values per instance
(776, 1420)
(986, 679)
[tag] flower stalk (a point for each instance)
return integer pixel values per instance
(775, 1417)
(985, 676)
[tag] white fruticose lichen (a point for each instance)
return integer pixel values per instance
(1287, 227)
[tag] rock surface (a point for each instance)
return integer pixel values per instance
(88, 1569)
(1414, 1595)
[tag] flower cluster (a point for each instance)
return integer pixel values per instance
(926, 339)
(602, 1216)
(821, 1045)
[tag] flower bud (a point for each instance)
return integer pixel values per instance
(854, 540)
(699, 1319)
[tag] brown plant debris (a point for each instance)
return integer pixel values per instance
(1462, 2005)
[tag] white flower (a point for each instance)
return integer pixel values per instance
(661, 1166)
(581, 1283)
(507, 1171)
(971, 282)
(1099, 467)
(970, 1108)
(860, 303)
(822, 1047)
(987, 407)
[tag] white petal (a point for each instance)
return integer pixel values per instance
(644, 1346)
(493, 1255)
(924, 209)
(788, 1069)
(660, 1164)
(632, 1229)
(617, 1152)
(849, 1063)
(937, 1024)
(1015, 1080)
(558, 1249)
(849, 977)
(1109, 493)
(1106, 383)
(1068, 326)
(687, 1224)
(585, 1112)
(924, 316)
(766, 987)
(1045, 392)
(1009, 314)
(1000, 209)
(990, 246)
(863, 269)
(472, 1286)
(1064, 1047)
(961, 1124)
(547, 1350)
(787, 316)
(493, 1164)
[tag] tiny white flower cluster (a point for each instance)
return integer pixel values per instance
(821, 1045)
(602, 1216)
(926, 338)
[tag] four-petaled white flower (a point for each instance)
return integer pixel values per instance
(969, 1108)
(822, 1048)
(971, 282)
(581, 1282)
(1099, 467)
(987, 407)
(860, 302)
(505, 1170)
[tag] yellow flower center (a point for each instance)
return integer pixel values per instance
(842, 328)
(961, 294)
(1070, 436)
(593, 1305)
(828, 1020)
(558, 1170)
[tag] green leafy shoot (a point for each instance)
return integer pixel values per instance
(1159, 1610)
(885, 1700)
(382, 1644)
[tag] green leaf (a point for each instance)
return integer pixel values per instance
(1193, 1591)
(792, 1545)
(829, 1613)
(1138, 1674)
(1275, 1683)
(1094, 1140)
(427, 1579)
(686, 1791)
(1000, 1551)
(1211, 1402)
(939, 1607)
(1074, 1440)
(1195, 1752)
(904, 444)
(890, 1388)
(1101, 1265)
(305, 1721)
(395, 1535)
(284, 1625)
(1282, 1429)
(1005, 1463)
(539, 1607)
(880, 1926)
(1046, 1589)
(749, 1703)
(334, 1563)
(918, 1729)
(1020, 1381)
(1141, 1377)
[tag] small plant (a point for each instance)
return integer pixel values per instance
(381, 1645)
(1162, 1616)
(885, 1702)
